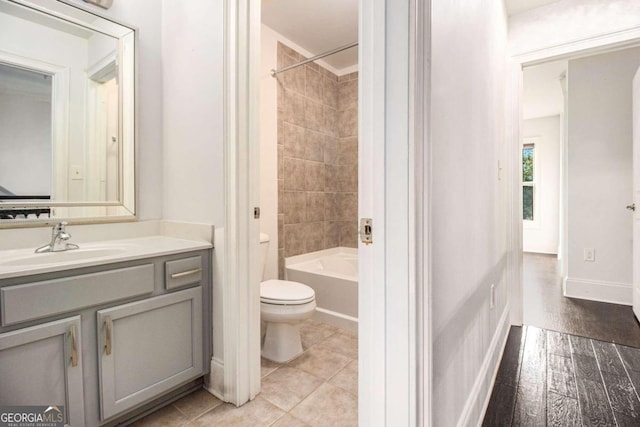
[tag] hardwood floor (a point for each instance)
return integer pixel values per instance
(546, 307)
(548, 378)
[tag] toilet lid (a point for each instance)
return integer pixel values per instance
(284, 292)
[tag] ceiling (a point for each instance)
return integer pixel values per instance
(317, 26)
(542, 95)
(517, 6)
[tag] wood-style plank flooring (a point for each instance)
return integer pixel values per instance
(546, 307)
(548, 378)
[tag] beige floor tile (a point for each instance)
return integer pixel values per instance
(267, 366)
(258, 412)
(313, 333)
(165, 417)
(197, 403)
(347, 379)
(287, 387)
(289, 421)
(328, 406)
(321, 362)
(342, 343)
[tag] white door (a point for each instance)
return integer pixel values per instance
(636, 194)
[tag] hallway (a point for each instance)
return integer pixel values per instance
(556, 379)
(545, 307)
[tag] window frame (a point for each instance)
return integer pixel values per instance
(532, 142)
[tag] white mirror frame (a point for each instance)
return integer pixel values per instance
(128, 128)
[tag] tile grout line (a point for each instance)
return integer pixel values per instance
(603, 383)
(575, 378)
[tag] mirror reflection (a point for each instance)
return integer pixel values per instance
(66, 121)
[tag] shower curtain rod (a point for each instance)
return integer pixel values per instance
(322, 55)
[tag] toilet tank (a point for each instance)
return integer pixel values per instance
(264, 247)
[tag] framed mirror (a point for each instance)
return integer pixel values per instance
(67, 114)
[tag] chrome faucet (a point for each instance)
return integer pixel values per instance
(59, 237)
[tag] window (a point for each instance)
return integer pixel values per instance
(528, 181)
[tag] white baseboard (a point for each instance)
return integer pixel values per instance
(593, 290)
(478, 399)
(214, 383)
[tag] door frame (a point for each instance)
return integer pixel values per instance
(577, 48)
(394, 334)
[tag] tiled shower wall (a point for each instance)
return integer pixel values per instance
(317, 158)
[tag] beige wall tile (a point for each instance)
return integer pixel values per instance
(331, 212)
(330, 178)
(329, 74)
(314, 176)
(280, 231)
(313, 118)
(313, 89)
(347, 178)
(294, 141)
(280, 161)
(280, 131)
(330, 118)
(348, 122)
(291, 107)
(283, 49)
(329, 92)
(348, 151)
(347, 206)
(332, 234)
(294, 174)
(344, 78)
(349, 234)
(280, 195)
(315, 206)
(314, 237)
(293, 239)
(294, 207)
(330, 150)
(314, 146)
(281, 263)
(348, 95)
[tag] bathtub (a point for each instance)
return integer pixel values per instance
(333, 275)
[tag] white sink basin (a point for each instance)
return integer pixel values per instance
(61, 257)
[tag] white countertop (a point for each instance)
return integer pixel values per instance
(24, 262)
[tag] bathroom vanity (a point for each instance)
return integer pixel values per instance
(108, 331)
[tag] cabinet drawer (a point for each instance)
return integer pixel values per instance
(51, 297)
(183, 272)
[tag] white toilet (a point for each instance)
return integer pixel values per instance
(283, 305)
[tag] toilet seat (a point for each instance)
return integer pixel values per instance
(284, 292)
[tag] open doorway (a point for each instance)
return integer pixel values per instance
(577, 175)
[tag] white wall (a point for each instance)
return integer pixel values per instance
(469, 210)
(600, 173)
(269, 146)
(25, 136)
(542, 234)
(570, 20)
(192, 66)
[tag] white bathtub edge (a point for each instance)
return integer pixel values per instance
(298, 259)
(336, 319)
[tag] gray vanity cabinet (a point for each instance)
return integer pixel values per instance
(148, 347)
(42, 365)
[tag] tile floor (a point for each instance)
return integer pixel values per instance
(319, 388)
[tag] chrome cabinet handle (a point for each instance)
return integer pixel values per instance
(186, 273)
(107, 327)
(74, 346)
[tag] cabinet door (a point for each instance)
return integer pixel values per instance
(42, 365)
(148, 347)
